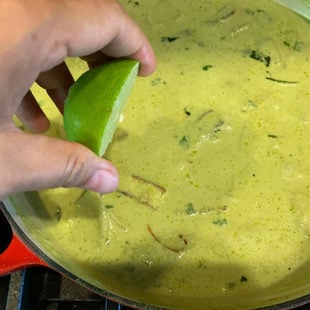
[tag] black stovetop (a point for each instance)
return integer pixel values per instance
(41, 288)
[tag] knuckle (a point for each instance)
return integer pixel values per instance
(77, 169)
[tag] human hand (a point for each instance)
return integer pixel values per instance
(35, 40)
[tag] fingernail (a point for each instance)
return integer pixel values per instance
(102, 181)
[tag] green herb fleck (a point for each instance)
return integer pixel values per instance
(243, 279)
(218, 126)
(202, 264)
(184, 142)
(220, 222)
(253, 12)
(207, 67)
(249, 11)
(188, 113)
(296, 46)
(190, 209)
(260, 57)
(293, 209)
(272, 136)
(58, 214)
(252, 104)
(135, 3)
(249, 105)
(108, 206)
(157, 81)
(231, 285)
(169, 39)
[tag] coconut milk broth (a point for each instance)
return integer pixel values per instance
(213, 155)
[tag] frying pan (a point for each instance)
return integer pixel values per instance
(32, 245)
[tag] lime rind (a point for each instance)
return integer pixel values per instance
(95, 103)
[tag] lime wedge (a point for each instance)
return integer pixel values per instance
(95, 102)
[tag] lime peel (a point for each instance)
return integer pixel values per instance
(95, 103)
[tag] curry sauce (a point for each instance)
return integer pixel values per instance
(213, 155)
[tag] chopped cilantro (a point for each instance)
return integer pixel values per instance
(184, 142)
(109, 206)
(296, 46)
(190, 209)
(220, 222)
(243, 279)
(188, 113)
(169, 39)
(231, 285)
(135, 3)
(207, 67)
(250, 11)
(157, 81)
(260, 57)
(272, 136)
(201, 264)
(253, 12)
(218, 126)
(252, 104)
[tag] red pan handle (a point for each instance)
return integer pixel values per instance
(17, 256)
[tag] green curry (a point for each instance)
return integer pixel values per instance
(213, 154)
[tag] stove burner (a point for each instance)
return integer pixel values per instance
(39, 288)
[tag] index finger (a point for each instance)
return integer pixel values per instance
(136, 46)
(109, 29)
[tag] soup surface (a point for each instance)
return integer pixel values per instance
(213, 154)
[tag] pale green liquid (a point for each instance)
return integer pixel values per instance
(227, 149)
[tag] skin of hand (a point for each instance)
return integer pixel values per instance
(35, 40)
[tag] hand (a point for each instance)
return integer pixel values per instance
(35, 40)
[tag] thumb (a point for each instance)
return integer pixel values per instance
(31, 162)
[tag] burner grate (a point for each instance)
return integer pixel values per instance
(42, 288)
